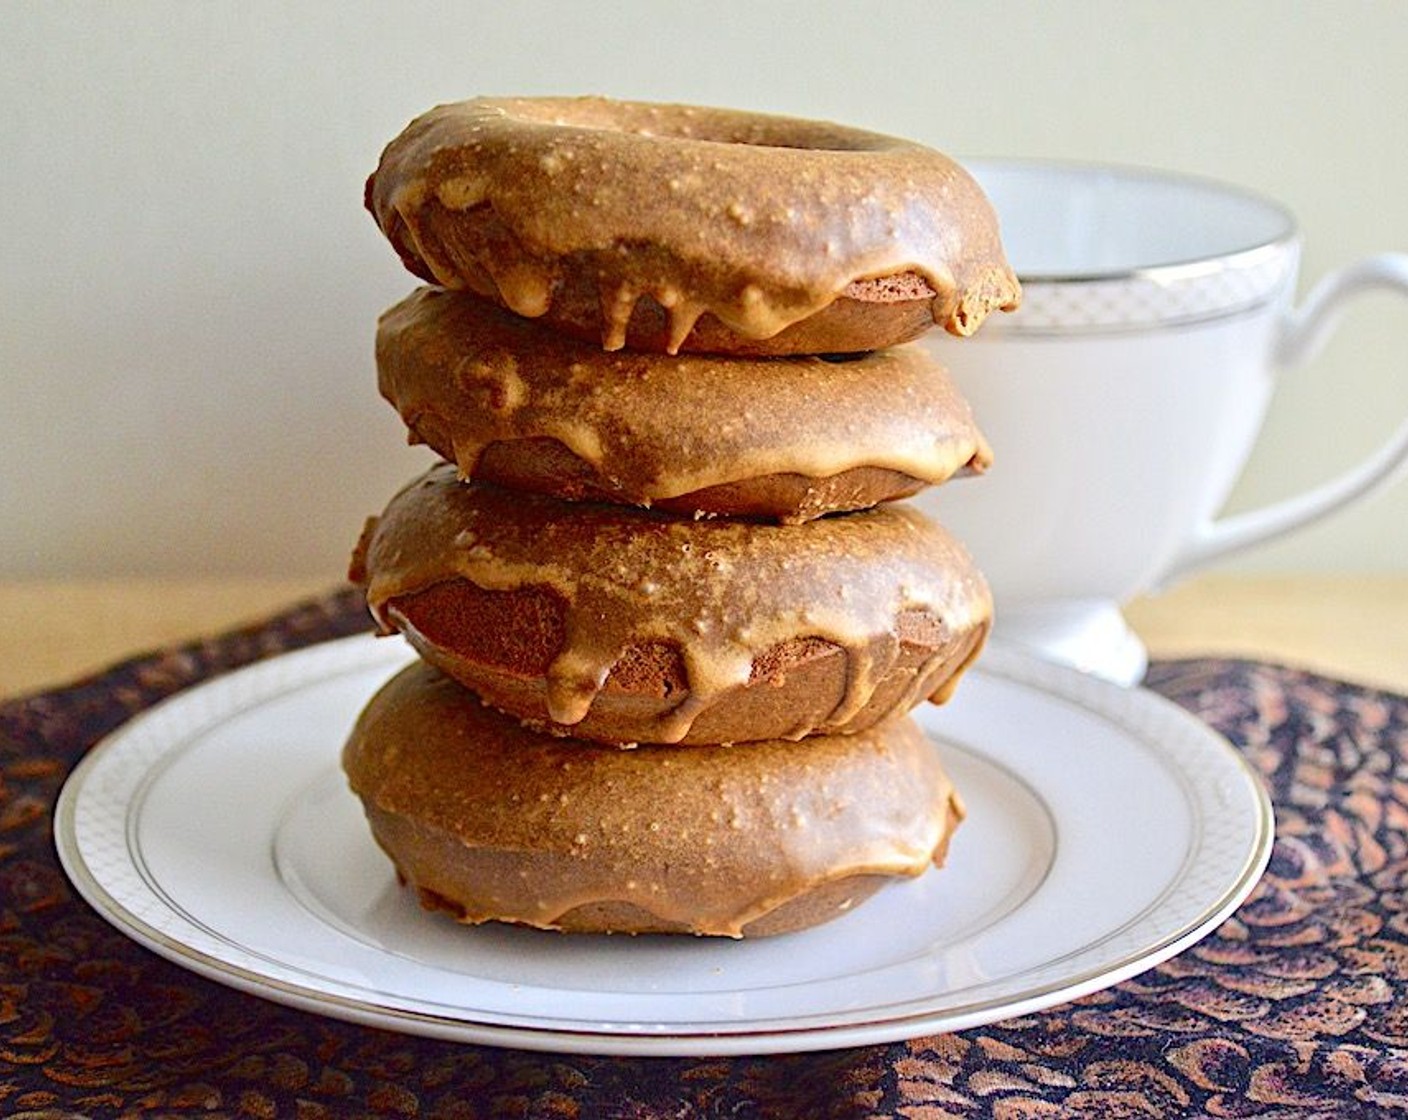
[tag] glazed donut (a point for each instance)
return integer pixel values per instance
(671, 227)
(489, 821)
(779, 439)
(622, 625)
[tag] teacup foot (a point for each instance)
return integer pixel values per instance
(1090, 635)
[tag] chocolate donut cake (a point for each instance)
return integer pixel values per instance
(488, 820)
(780, 439)
(663, 365)
(677, 227)
(627, 626)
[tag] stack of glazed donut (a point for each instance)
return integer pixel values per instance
(662, 360)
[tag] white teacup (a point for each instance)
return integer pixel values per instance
(1124, 397)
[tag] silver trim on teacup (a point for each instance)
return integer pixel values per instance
(1172, 293)
(1153, 298)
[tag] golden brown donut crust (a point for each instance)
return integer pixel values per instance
(488, 820)
(780, 439)
(622, 625)
(684, 228)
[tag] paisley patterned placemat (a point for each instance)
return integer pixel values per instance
(1297, 1006)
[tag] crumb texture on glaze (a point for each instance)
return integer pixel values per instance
(495, 822)
(721, 593)
(465, 375)
(756, 221)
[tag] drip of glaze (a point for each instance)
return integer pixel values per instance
(468, 374)
(709, 839)
(767, 220)
(730, 591)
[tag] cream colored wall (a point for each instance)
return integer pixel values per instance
(188, 284)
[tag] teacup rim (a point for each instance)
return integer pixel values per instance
(1186, 268)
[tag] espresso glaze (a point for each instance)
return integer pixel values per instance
(496, 822)
(721, 592)
(463, 374)
(758, 220)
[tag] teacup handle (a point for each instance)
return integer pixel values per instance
(1302, 332)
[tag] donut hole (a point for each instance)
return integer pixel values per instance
(692, 123)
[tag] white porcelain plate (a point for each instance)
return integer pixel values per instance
(1107, 831)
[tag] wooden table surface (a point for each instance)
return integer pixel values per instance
(1355, 628)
